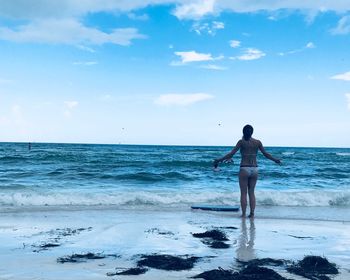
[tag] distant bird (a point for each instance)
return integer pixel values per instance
(219, 124)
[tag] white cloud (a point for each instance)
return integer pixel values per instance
(251, 54)
(347, 96)
(213, 67)
(85, 63)
(184, 9)
(194, 9)
(235, 43)
(193, 56)
(344, 77)
(343, 26)
(218, 25)
(309, 45)
(182, 99)
(34, 9)
(142, 17)
(67, 31)
(209, 28)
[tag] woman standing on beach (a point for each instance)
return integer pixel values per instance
(248, 172)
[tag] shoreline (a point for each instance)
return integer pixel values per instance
(293, 213)
(131, 233)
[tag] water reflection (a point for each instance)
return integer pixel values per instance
(245, 250)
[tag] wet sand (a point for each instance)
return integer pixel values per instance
(104, 241)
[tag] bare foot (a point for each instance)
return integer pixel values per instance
(242, 216)
(251, 215)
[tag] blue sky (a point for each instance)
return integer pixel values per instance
(175, 72)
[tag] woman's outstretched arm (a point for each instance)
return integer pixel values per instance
(267, 155)
(230, 154)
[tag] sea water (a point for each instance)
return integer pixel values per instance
(165, 177)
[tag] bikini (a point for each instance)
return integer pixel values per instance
(251, 170)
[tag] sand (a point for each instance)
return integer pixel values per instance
(32, 242)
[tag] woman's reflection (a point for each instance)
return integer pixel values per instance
(245, 250)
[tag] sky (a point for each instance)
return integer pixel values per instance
(175, 72)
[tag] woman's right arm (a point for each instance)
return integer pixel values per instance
(267, 155)
(230, 154)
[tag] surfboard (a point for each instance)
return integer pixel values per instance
(224, 208)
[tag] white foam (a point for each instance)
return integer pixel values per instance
(343, 154)
(288, 153)
(137, 199)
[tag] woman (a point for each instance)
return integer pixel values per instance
(248, 173)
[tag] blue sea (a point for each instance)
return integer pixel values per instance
(137, 177)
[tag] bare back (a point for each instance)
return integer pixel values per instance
(249, 150)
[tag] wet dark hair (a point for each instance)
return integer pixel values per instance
(247, 132)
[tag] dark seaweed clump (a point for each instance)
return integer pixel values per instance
(250, 272)
(256, 272)
(213, 234)
(130, 271)
(167, 262)
(313, 267)
(45, 246)
(263, 261)
(83, 257)
(216, 274)
(213, 238)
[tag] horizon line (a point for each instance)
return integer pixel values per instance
(165, 145)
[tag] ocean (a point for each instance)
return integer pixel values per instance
(167, 177)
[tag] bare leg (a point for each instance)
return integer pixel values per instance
(243, 184)
(251, 187)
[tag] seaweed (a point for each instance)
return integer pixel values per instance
(263, 261)
(251, 272)
(313, 267)
(75, 258)
(213, 234)
(216, 274)
(167, 262)
(130, 271)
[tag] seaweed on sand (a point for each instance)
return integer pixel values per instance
(130, 271)
(251, 272)
(213, 238)
(263, 261)
(83, 257)
(213, 234)
(313, 267)
(167, 262)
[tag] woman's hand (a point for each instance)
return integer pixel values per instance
(216, 163)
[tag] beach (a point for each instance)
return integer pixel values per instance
(76, 211)
(122, 236)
